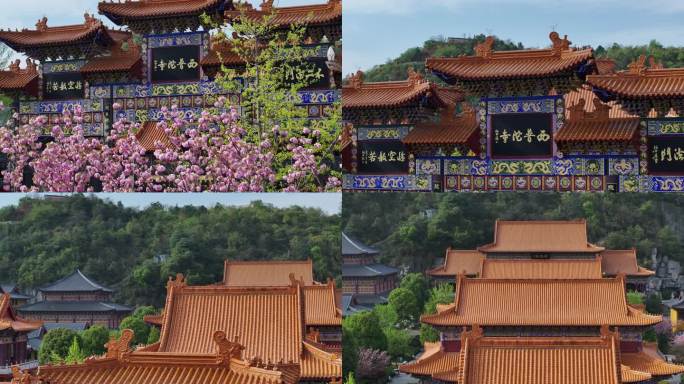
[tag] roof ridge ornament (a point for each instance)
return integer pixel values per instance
(178, 282)
(266, 5)
(227, 349)
(356, 79)
(119, 349)
(638, 66)
(559, 45)
(484, 49)
(653, 64)
(21, 377)
(414, 77)
(41, 25)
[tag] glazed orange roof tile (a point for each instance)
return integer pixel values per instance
(319, 364)
(456, 261)
(541, 269)
(143, 9)
(539, 360)
(489, 65)
(641, 82)
(320, 304)
(44, 35)
(629, 375)
(268, 321)
(540, 302)
(615, 262)
(589, 119)
(649, 360)
(222, 53)
(15, 78)
(314, 14)
(392, 94)
(540, 236)
(266, 273)
(121, 365)
(434, 362)
(449, 129)
(10, 320)
(150, 133)
(124, 56)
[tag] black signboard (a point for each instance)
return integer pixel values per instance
(65, 85)
(522, 135)
(666, 154)
(314, 73)
(382, 156)
(175, 64)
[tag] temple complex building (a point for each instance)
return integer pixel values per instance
(162, 56)
(365, 282)
(76, 299)
(217, 333)
(14, 330)
(542, 304)
(552, 119)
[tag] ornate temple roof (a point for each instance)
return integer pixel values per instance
(640, 81)
(368, 270)
(588, 119)
(10, 320)
(468, 262)
(44, 36)
(353, 247)
(75, 282)
(575, 360)
(321, 305)
(650, 361)
(541, 269)
(150, 133)
(73, 306)
(119, 12)
(314, 14)
(449, 129)
(579, 302)
(393, 94)
(615, 262)
(435, 363)
(125, 56)
(270, 273)
(221, 52)
(16, 78)
(540, 236)
(488, 64)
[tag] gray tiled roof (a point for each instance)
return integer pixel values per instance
(73, 306)
(369, 270)
(76, 282)
(352, 247)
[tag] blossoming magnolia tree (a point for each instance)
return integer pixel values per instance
(217, 151)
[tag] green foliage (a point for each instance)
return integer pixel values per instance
(405, 304)
(56, 345)
(418, 285)
(654, 304)
(664, 342)
(350, 350)
(386, 315)
(650, 335)
(94, 340)
(624, 54)
(138, 249)
(399, 344)
(428, 333)
(364, 331)
(269, 100)
(143, 311)
(141, 331)
(635, 298)
(75, 355)
(154, 335)
(396, 69)
(350, 378)
(441, 294)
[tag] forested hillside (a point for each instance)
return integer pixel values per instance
(414, 230)
(134, 251)
(395, 69)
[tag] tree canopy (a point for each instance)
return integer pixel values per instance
(135, 250)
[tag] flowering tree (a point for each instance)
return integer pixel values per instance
(273, 148)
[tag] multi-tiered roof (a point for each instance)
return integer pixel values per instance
(531, 305)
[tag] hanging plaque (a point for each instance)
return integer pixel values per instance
(666, 154)
(64, 85)
(382, 156)
(171, 64)
(522, 135)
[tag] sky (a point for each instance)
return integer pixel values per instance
(377, 30)
(330, 203)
